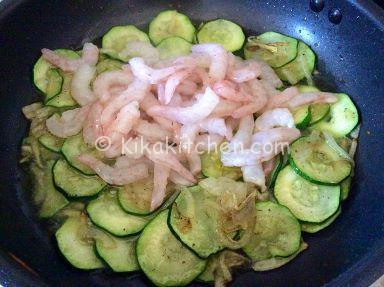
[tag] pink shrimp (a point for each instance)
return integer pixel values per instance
(90, 56)
(125, 119)
(80, 85)
(214, 126)
(113, 175)
(247, 72)
(160, 180)
(231, 91)
(194, 161)
(188, 115)
(92, 127)
(69, 123)
(280, 117)
(150, 75)
(187, 88)
(160, 89)
(254, 174)
(279, 99)
(105, 83)
(268, 166)
(310, 98)
(219, 59)
(153, 132)
(225, 108)
(207, 142)
(170, 160)
(247, 109)
(243, 137)
(178, 179)
(171, 85)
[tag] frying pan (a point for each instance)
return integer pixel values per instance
(350, 59)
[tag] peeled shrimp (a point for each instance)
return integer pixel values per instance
(90, 56)
(202, 108)
(187, 88)
(310, 98)
(69, 123)
(171, 85)
(194, 161)
(245, 157)
(148, 74)
(114, 175)
(81, 85)
(230, 91)
(178, 179)
(219, 59)
(207, 142)
(243, 137)
(281, 98)
(280, 117)
(125, 119)
(248, 109)
(214, 126)
(267, 73)
(249, 71)
(92, 126)
(153, 132)
(160, 180)
(106, 82)
(254, 174)
(225, 108)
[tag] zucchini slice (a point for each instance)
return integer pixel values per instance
(315, 227)
(276, 233)
(171, 23)
(274, 48)
(193, 223)
(211, 166)
(45, 195)
(316, 161)
(307, 201)
(271, 178)
(108, 65)
(42, 70)
(118, 253)
(345, 187)
(51, 142)
(342, 119)
(318, 112)
(73, 182)
(75, 146)
(106, 213)
(163, 258)
(116, 39)
(224, 32)
(302, 117)
(76, 243)
(173, 47)
(54, 84)
(64, 98)
(301, 67)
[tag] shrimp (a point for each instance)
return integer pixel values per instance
(254, 174)
(170, 160)
(125, 119)
(194, 161)
(225, 108)
(267, 73)
(245, 157)
(90, 56)
(280, 117)
(114, 175)
(160, 89)
(247, 109)
(148, 74)
(310, 98)
(171, 85)
(92, 127)
(187, 135)
(80, 85)
(187, 88)
(160, 180)
(126, 161)
(243, 137)
(214, 126)
(219, 59)
(249, 71)
(153, 132)
(281, 98)
(231, 91)
(136, 91)
(201, 109)
(268, 166)
(69, 123)
(207, 142)
(178, 179)
(106, 82)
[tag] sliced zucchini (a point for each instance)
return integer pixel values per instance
(76, 243)
(274, 48)
(73, 182)
(345, 187)
(307, 201)
(271, 178)
(276, 262)
(318, 112)
(75, 146)
(173, 47)
(171, 23)
(45, 195)
(224, 32)
(302, 117)
(208, 275)
(54, 84)
(106, 213)
(276, 233)
(117, 38)
(316, 161)
(315, 227)
(194, 223)
(42, 69)
(301, 67)
(108, 65)
(342, 119)
(211, 166)
(64, 98)
(118, 253)
(163, 258)
(51, 142)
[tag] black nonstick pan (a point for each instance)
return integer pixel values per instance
(350, 59)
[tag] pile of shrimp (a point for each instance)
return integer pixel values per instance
(205, 98)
